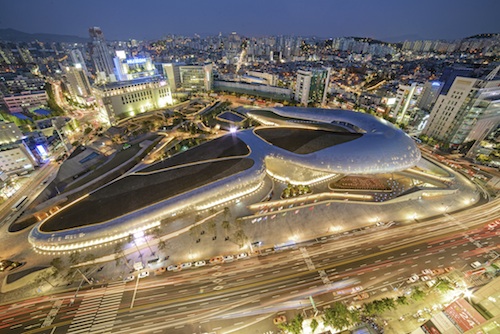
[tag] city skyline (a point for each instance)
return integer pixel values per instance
(388, 21)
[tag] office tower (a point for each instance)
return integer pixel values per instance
(457, 111)
(196, 77)
(78, 84)
(406, 100)
(118, 100)
(132, 68)
(77, 58)
(312, 86)
(101, 56)
(429, 95)
(171, 72)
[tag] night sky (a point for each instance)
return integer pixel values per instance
(151, 19)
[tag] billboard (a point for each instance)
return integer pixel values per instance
(463, 315)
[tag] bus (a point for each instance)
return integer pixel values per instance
(19, 204)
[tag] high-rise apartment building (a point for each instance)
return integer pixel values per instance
(457, 111)
(312, 86)
(101, 56)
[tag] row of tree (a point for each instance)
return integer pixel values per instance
(339, 316)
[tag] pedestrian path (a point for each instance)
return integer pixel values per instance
(97, 312)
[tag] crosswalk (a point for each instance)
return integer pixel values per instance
(97, 312)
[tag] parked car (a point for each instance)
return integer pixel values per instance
(144, 274)
(242, 256)
(413, 278)
(174, 267)
(425, 278)
(186, 265)
(200, 263)
(449, 269)
(228, 258)
(129, 278)
(160, 270)
(427, 272)
(438, 271)
(216, 259)
(279, 319)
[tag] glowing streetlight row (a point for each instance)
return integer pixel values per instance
(302, 182)
(229, 198)
(95, 242)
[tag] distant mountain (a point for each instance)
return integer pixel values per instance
(486, 35)
(402, 38)
(13, 35)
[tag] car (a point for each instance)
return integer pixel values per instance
(413, 278)
(160, 270)
(431, 283)
(242, 255)
(449, 269)
(129, 278)
(144, 274)
(493, 226)
(425, 278)
(200, 263)
(380, 224)
(438, 271)
(216, 260)
(280, 319)
(427, 272)
(391, 223)
(357, 289)
(476, 264)
(228, 258)
(174, 267)
(186, 265)
(362, 296)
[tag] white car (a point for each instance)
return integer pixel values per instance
(427, 272)
(413, 278)
(200, 263)
(129, 278)
(425, 278)
(228, 258)
(380, 224)
(174, 267)
(476, 264)
(144, 274)
(186, 265)
(242, 256)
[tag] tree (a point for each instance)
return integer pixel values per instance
(74, 257)
(417, 294)
(57, 263)
(314, 324)
(211, 227)
(240, 237)
(443, 285)
(389, 303)
(294, 326)
(226, 226)
(338, 316)
(402, 300)
(227, 212)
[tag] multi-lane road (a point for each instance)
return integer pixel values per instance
(244, 295)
